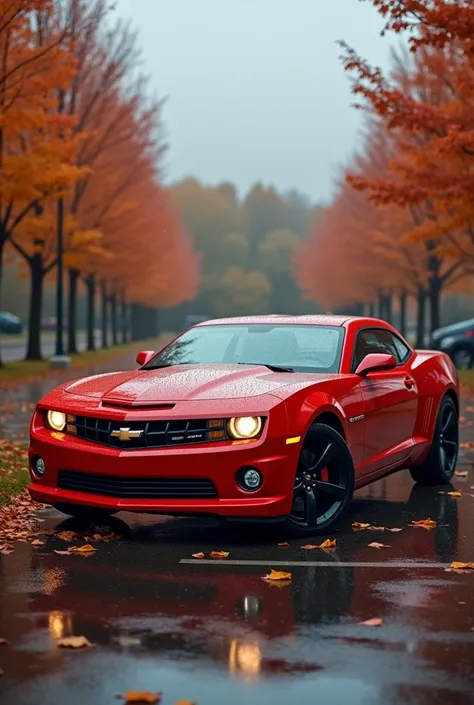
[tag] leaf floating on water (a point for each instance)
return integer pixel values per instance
(219, 554)
(74, 642)
(284, 544)
(277, 575)
(424, 523)
(357, 526)
(374, 622)
(198, 555)
(374, 544)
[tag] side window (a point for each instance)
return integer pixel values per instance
(376, 340)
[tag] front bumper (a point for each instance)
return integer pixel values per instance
(218, 462)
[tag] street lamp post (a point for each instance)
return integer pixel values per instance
(60, 359)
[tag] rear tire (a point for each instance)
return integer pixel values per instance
(79, 512)
(440, 463)
(324, 482)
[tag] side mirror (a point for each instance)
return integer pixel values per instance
(376, 362)
(144, 356)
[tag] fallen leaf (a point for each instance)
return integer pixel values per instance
(374, 544)
(37, 542)
(63, 553)
(456, 565)
(284, 544)
(66, 535)
(73, 642)
(468, 445)
(87, 548)
(424, 523)
(461, 473)
(456, 493)
(309, 547)
(375, 622)
(198, 555)
(357, 526)
(395, 530)
(376, 528)
(219, 554)
(145, 696)
(3, 641)
(277, 575)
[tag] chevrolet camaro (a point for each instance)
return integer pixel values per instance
(275, 418)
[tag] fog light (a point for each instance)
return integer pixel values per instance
(249, 479)
(39, 467)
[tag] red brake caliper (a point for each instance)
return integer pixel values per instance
(325, 475)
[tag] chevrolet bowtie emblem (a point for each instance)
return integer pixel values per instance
(125, 434)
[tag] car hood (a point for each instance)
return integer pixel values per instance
(186, 383)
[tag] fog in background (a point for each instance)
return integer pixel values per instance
(256, 90)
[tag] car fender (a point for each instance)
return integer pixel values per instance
(304, 409)
(436, 375)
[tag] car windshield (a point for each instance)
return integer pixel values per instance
(299, 348)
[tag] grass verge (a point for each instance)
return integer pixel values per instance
(14, 475)
(26, 370)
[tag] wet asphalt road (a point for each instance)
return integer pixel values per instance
(215, 633)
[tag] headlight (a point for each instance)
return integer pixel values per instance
(242, 427)
(56, 420)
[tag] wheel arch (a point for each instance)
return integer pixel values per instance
(330, 418)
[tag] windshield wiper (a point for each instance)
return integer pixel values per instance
(273, 368)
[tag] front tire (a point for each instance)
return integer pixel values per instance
(439, 465)
(81, 512)
(324, 482)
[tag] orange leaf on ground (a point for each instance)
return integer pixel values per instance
(145, 696)
(74, 642)
(63, 553)
(461, 473)
(66, 535)
(277, 575)
(424, 523)
(395, 530)
(87, 548)
(219, 554)
(374, 544)
(358, 526)
(284, 544)
(3, 641)
(376, 528)
(456, 493)
(198, 555)
(456, 565)
(375, 622)
(328, 544)
(37, 542)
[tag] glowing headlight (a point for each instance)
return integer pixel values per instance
(242, 427)
(56, 420)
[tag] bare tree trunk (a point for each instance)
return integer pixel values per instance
(124, 321)
(434, 297)
(113, 309)
(420, 318)
(403, 314)
(72, 311)
(33, 351)
(104, 321)
(90, 284)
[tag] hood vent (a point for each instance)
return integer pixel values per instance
(137, 405)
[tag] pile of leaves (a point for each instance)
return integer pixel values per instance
(14, 475)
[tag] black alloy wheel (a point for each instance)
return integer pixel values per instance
(439, 466)
(324, 482)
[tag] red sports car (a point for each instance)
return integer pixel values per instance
(275, 418)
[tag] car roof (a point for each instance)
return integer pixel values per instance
(283, 319)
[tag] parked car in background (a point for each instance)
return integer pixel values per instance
(457, 340)
(51, 323)
(10, 324)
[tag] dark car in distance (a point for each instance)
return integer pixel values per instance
(457, 340)
(10, 324)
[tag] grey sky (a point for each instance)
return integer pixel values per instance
(256, 90)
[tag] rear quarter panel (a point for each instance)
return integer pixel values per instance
(435, 374)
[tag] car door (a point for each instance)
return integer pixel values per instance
(390, 398)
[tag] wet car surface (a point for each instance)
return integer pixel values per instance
(214, 631)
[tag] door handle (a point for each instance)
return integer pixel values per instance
(409, 382)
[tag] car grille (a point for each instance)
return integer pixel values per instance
(137, 487)
(153, 434)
